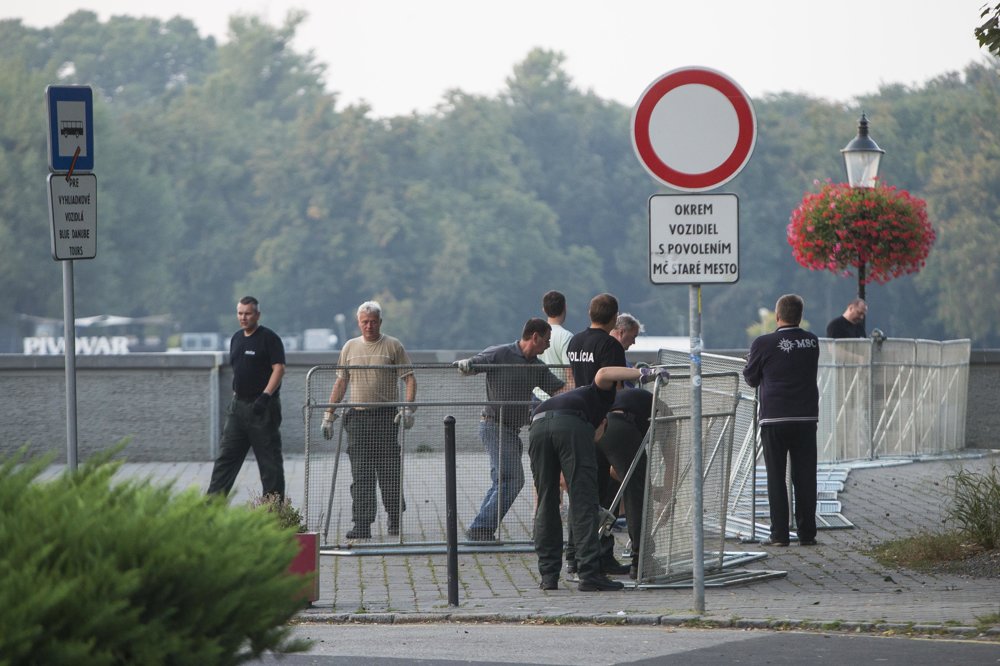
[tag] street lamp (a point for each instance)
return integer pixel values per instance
(861, 157)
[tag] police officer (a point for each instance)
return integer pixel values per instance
(561, 439)
(589, 351)
(628, 421)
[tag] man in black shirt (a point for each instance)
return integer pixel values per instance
(561, 440)
(589, 351)
(784, 365)
(628, 421)
(253, 418)
(851, 324)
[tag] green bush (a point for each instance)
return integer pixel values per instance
(976, 506)
(100, 572)
(281, 509)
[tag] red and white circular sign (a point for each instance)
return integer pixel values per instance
(693, 129)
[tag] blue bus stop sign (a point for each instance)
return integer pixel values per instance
(71, 127)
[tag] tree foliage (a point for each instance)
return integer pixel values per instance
(230, 168)
(988, 32)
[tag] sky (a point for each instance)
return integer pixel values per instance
(401, 56)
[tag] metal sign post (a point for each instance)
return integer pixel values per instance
(694, 129)
(73, 213)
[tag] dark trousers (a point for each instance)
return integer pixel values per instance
(243, 431)
(795, 442)
(565, 443)
(606, 491)
(620, 443)
(373, 449)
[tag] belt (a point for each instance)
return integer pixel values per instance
(244, 398)
(559, 412)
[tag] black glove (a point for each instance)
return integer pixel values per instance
(261, 403)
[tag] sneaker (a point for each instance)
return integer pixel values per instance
(479, 534)
(773, 542)
(808, 542)
(600, 584)
(612, 567)
(393, 527)
(360, 532)
(549, 582)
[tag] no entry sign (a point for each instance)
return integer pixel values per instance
(693, 129)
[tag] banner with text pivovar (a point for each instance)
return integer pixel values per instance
(694, 238)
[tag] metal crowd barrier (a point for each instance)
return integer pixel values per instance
(667, 543)
(888, 398)
(891, 398)
(441, 391)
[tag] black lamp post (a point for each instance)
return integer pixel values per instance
(861, 157)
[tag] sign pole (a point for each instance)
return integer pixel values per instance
(697, 555)
(73, 213)
(694, 129)
(69, 338)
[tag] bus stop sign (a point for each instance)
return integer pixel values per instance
(71, 128)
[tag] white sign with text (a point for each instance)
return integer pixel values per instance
(694, 238)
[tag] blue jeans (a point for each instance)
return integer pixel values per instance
(503, 446)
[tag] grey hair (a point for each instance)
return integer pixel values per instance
(370, 307)
(627, 322)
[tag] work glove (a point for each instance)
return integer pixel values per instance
(640, 365)
(261, 403)
(405, 414)
(647, 375)
(464, 366)
(327, 426)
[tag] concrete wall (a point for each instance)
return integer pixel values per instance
(172, 406)
(982, 419)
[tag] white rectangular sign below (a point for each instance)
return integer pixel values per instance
(73, 209)
(694, 238)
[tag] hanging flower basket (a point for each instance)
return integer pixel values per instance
(880, 232)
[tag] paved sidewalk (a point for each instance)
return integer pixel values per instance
(832, 584)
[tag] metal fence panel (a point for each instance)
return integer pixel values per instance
(668, 522)
(332, 466)
(845, 397)
(891, 398)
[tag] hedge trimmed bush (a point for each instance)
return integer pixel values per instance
(125, 572)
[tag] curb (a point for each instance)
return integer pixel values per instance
(644, 619)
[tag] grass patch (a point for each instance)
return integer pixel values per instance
(976, 506)
(922, 551)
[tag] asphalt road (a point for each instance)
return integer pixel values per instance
(483, 644)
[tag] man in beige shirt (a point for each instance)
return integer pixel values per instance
(373, 431)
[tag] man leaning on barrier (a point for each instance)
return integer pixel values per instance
(563, 432)
(507, 381)
(372, 431)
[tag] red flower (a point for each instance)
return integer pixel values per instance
(881, 232)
